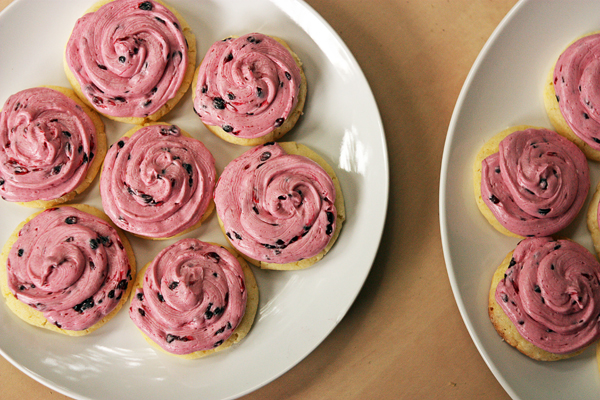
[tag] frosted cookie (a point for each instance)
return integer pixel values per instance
(571, 95)
(593, 218)
(131, 60)
(67, 269)
(51, 146)
(157, 181)
(280, 205)
(249, 90)
(194, 299)
(530, 181)
(545, 298)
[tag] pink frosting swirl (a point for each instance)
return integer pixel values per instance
(551, 293)
(276, 207)
(537, 182)
(248, 86)
(70, 265)
(129, 57)
(193, 297)
(157, 183)
(576, 77)
(47, 142)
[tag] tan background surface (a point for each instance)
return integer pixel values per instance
(403, 338)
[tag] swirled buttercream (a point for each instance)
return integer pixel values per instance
(248, 86)
(192, 299)
(47, 143)
(551, 293)
(129, 57)
(70, 265)
(276, 207)
(537, 182)
(576, 75)
(157, 183)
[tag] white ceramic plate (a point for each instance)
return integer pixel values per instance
(504, 88)
(297, 310)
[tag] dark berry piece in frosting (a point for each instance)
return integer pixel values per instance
(214, 256)
(122, 284)
(330, 217)
(187, 167)
(87, 303)
(227, 128)
(219, 103)
(220, 331)
(105, 240)
(20, 253)
(173, 285)
(146, 6)
(93, 244)
(147, 198)
(170, 338)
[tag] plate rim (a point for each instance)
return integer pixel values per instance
(442, 192)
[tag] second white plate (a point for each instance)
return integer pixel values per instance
(504, 88)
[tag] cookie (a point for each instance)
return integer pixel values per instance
(530, 181)
(67, 269)
(131, 72)
(592, 219)
(195, 298)
(157, 181)
(280, 205)
(52, 146)
(544, 299)
(249, 90)
(570, 97)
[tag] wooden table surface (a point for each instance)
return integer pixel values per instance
(403, 337)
